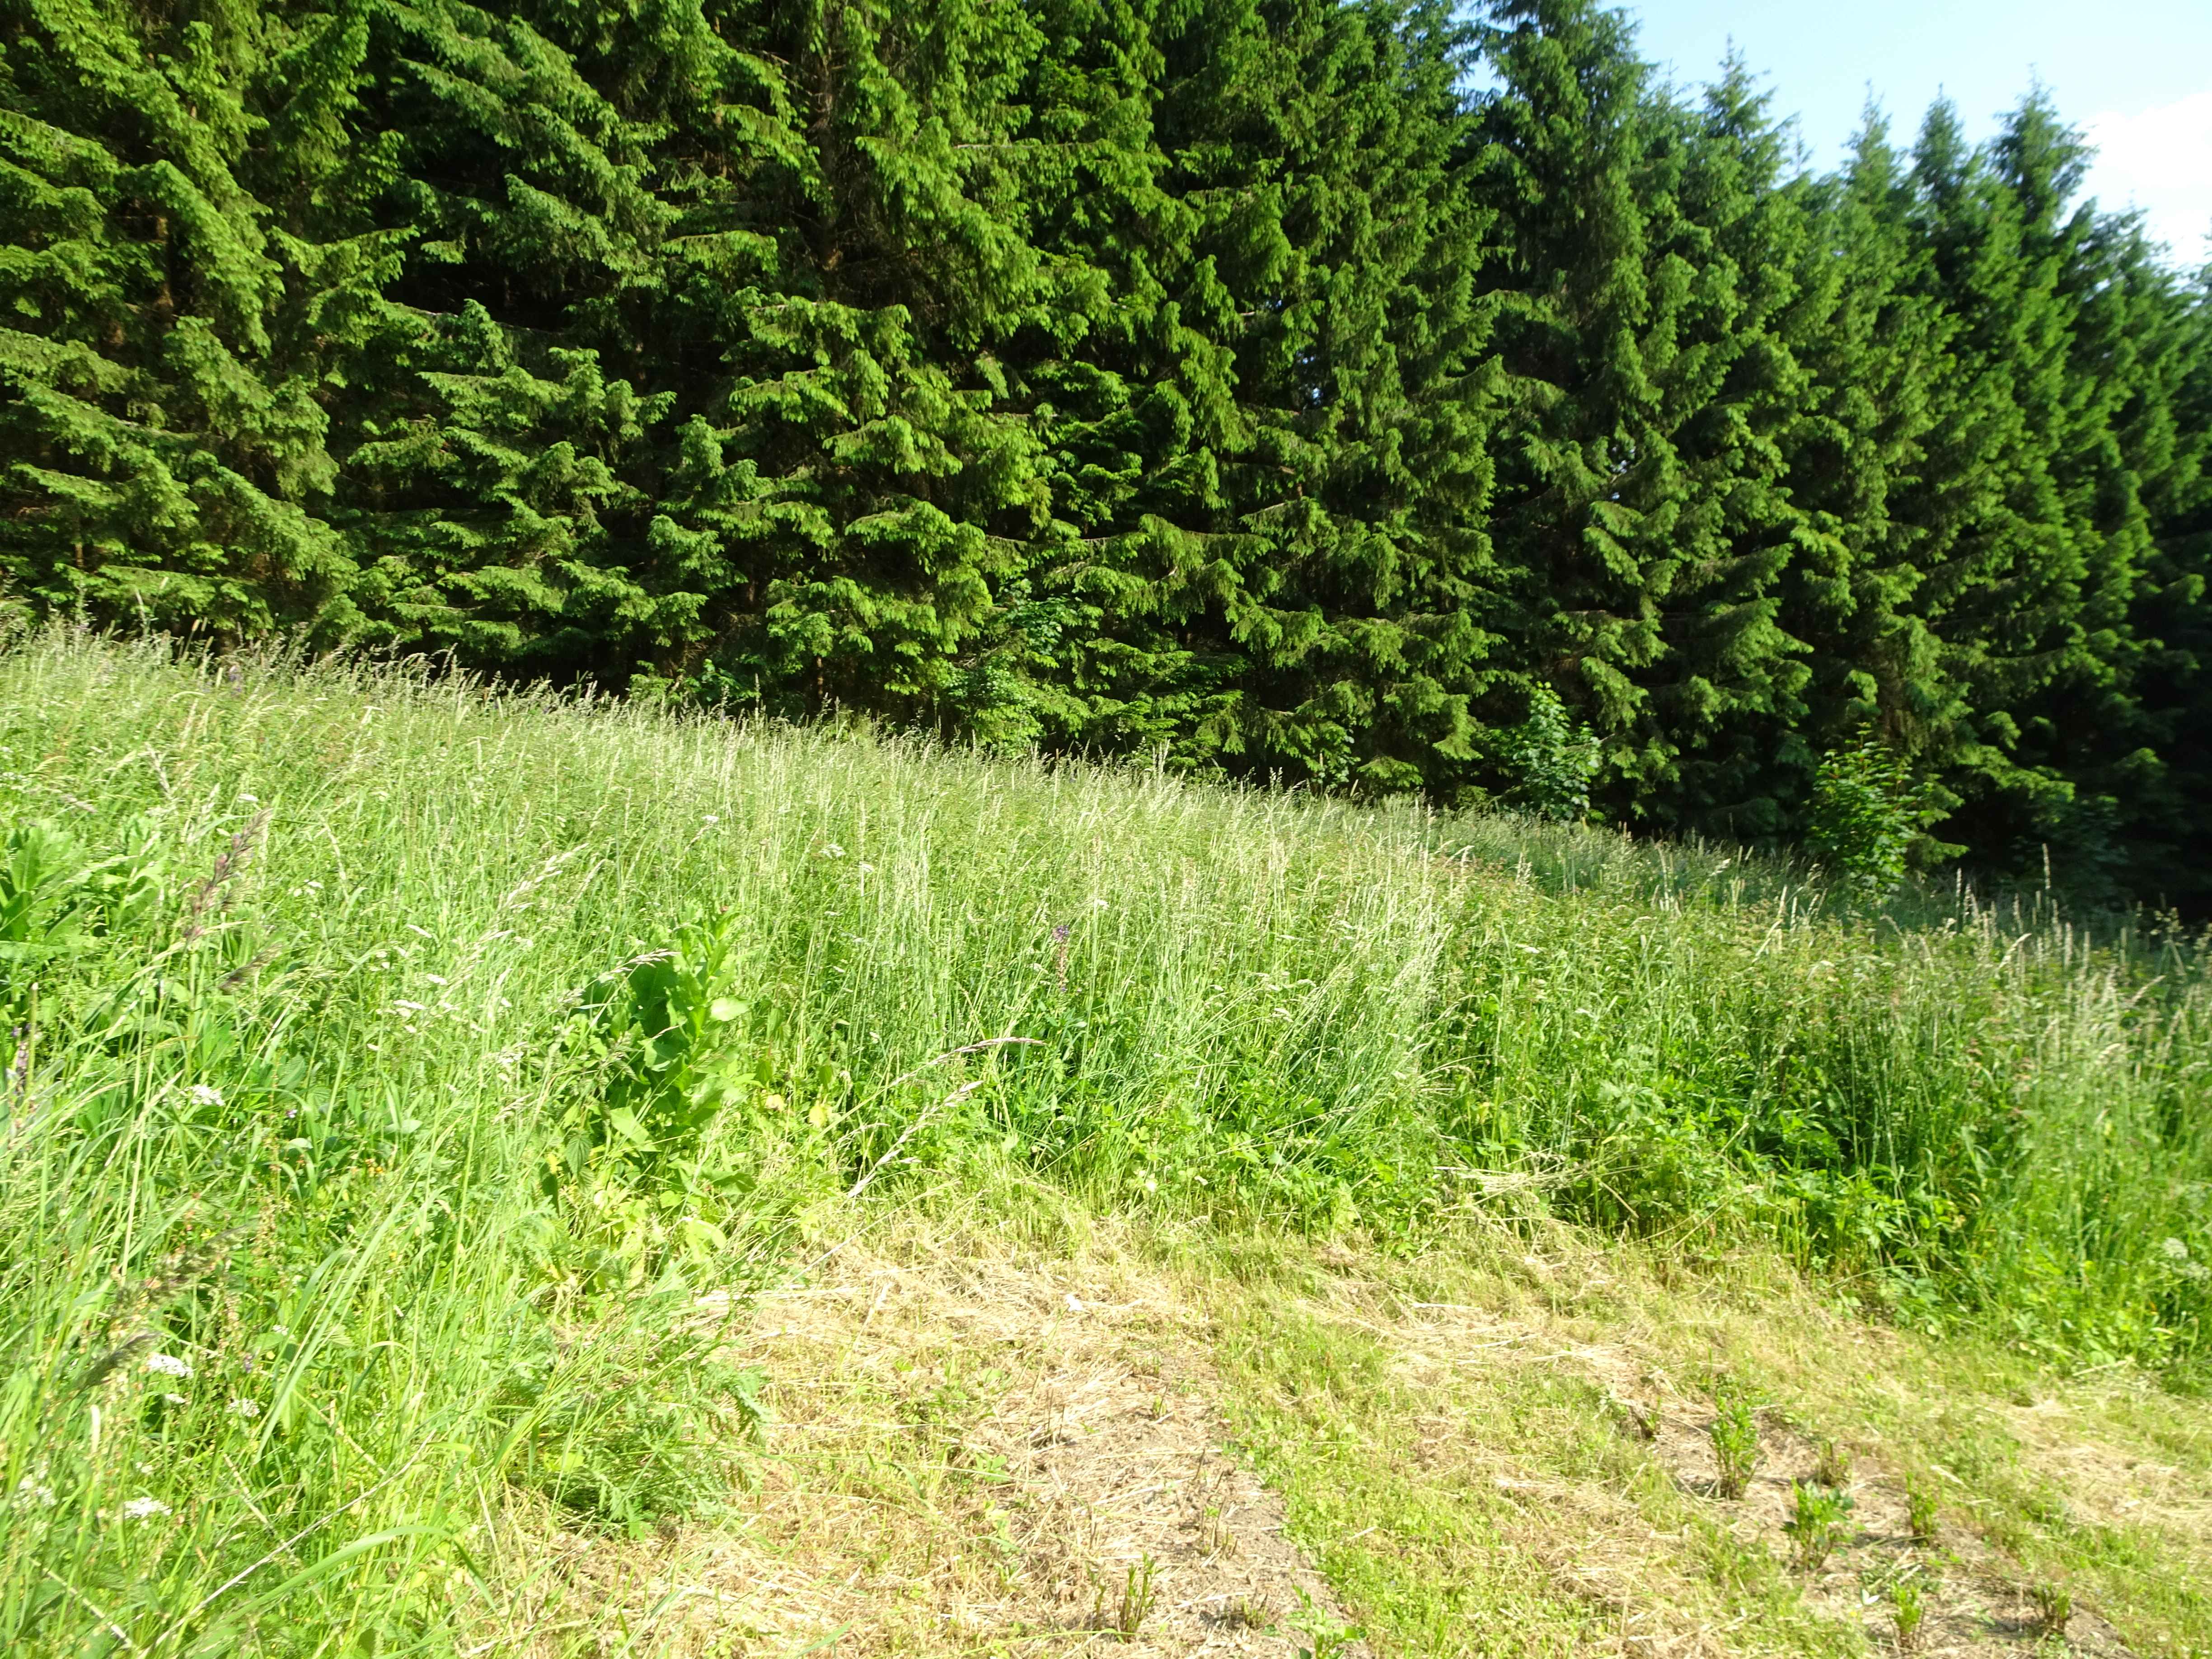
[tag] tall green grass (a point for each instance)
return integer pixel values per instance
(408, 1062)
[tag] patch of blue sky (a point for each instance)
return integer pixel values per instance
(2136, 76)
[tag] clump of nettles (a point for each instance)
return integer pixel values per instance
(1920, 1514)
(1735, 1441)
(1554, 759)
(1868, 816)
(1818, 1517)
(2054, 1607)
(1909, 1607)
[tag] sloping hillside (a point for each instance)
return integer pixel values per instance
(490, 1174)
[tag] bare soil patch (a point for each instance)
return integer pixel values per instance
(968, 1455)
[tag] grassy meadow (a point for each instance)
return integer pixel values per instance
(414, 1089)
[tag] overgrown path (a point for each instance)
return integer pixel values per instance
(979, 1450)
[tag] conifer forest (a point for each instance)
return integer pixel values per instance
(1381, 397)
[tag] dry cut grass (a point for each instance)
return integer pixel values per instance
(973, 1449)
(983, 1445)
(1500, 1433)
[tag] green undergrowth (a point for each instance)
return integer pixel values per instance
(397, 1066)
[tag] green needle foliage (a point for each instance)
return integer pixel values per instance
(1226, 381)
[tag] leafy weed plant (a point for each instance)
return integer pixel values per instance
(1908, 1612)
(2054, 1607)
(1324, 1636)
(1820, 1519)
(1920, 1509)
(1247, 1613)
(1834, 1467)
(1139, 1593)
(1736, 1441)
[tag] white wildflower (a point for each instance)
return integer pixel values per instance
(2177, 1256)
(205, 1093)
(833, 851)
(713, 818)
(176, 1400)
(145, 1508)
(865, 867)
(243, 1408)
(408, 1007)
(30, 1490)
(167, 1365)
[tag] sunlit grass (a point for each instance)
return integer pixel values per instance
(311, 1094)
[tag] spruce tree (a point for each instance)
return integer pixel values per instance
(2030, 534)
(707, 397)
(167, 449)
(1645, 268)
(2174, 613)
(1268, 457)
(1876, 345)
